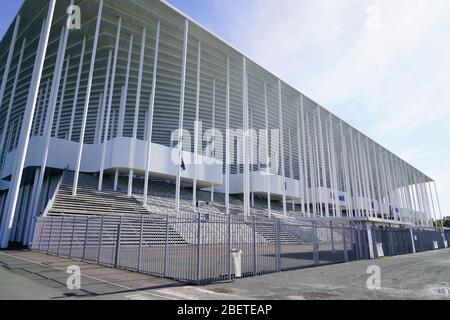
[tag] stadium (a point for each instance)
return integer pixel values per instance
(133, 137)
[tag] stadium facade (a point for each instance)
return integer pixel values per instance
(111, 97)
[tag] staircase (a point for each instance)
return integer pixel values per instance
(90, 201)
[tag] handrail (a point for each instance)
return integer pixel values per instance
(58, 186)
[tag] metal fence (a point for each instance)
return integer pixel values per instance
(207, 248)
(399, 241)
(199, 248)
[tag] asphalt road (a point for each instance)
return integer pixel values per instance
(30, 275)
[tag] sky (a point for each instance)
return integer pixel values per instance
(381, 65)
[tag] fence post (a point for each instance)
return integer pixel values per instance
(278, 245)
(166, 246)
(344, 242)
(60, 236)
(255, 268)
(138, 267)
(198, 247)
(315, 243)
(229, 247)
(119, 231)
(50, 235)
(85, 239)
(100, 238)
(42, 233)
(71, 239)
(333, 249)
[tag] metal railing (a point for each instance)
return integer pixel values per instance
(196, 248)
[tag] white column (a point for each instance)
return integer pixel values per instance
(227, 139)
(291, 167)
(28, 232)
(312, 166)
(104, 100)
(51, 114)
(306, 189)
(77, 89)
(87, 101)
(110, 99)
(116, 179)
(181, 116)
(301, 166)
(99, 118)
(196, 125)
(9, 60)
(138, 101)
(61, 100)
(11, 101)
(245, 151)
(268, 173)
(45, 103)
(214, 131)
(323, 192)
(331, 170)
(348, 195)
(123, 104)
(139, 83)
(151, 111)
(283, 174)
(26, 128)
(438, 203)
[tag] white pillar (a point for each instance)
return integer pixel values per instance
(104, 100)
(246, 175)
(196, 125)
(323, 192)
(61, 100)
(11, 102)
(116, 179)
(77, 89)
(87, 100)
(348, 195)
(51, 114)
(138, 103)
(305, 168)
(181, 116)
(283, 173)
(151, 110)
(110, 99)
(227, 139)
(334, 175)
(268, 173)
(45, 103)
(139, 84)
(214, 131)
(301, 165)
(438, 204)
(9, 60)
(26, 128)
(291, 167)
(123, 101)
(99, 117)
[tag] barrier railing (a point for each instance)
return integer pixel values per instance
(196, 248)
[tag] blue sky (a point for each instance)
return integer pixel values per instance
(381, 65)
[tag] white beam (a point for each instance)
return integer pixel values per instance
(181, 115)
(26, 129)
(110, 100)
(11, 102)
(77, 89)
